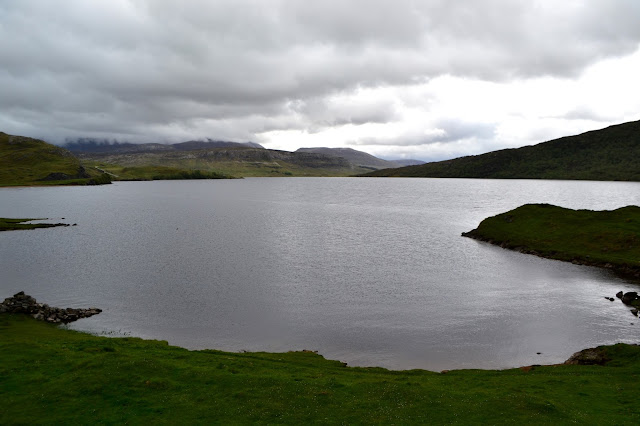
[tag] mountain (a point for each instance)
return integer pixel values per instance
(357, 158)
(27, 161)
(106, 146)
(241, 161)
(612, 153)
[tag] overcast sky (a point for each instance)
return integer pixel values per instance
(425, 79)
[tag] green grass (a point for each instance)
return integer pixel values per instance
(27, 161)
(17, 224)
(601, 238)
(56, 376)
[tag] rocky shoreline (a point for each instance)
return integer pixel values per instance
(22, 303)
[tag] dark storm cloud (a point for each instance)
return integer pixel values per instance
(233, 69)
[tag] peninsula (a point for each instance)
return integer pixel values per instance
(609, 239)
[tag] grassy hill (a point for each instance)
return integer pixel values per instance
(50, 375)
(612, 153)
(27, 161)
(600, 238)
(358, 158)
(232, 161)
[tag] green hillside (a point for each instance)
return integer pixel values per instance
(608, 154)
(27, 161)
(608, 239)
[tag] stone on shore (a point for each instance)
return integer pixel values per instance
(22, 303)
(629, 297)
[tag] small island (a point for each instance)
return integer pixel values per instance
(7, 224)
(608, 239)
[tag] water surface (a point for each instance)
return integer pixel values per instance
(372, 272)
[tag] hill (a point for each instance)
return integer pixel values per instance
(357, 158)
(27, 161)
(230, 158)
(235, 161)
(607, 154)
(362, 159)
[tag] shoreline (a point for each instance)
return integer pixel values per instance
(624, 271)
(608, 239)
(76, 377)
(23, 304)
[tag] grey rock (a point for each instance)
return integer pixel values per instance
(22, 303)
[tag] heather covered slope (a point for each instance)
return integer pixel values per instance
(27, 161)
(612, 153)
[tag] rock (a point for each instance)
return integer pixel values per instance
(629, 297)
(611, 299)
(634, 311)
(591, 356)
(619, 295)
(22, 303)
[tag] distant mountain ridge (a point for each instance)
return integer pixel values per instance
(612, 153)
(361, 158)
(237, 160)
(105, 146)
(233, 158)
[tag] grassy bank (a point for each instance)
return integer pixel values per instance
(55, 376)
(16, 224)
(601, 238)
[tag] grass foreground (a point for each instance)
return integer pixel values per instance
(608, 239)
(57, 376)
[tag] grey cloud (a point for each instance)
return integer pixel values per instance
(455, 130)
(446, 131)
(319, 113)
(166, 68)
(586, 113)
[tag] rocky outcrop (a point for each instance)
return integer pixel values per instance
(629, 297)
(21, 303)
(591, 356)
(81, 174)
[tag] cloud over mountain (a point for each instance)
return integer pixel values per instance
(285, 73)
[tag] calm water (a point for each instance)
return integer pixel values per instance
(372, 272)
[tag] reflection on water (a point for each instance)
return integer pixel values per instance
(368, 271)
